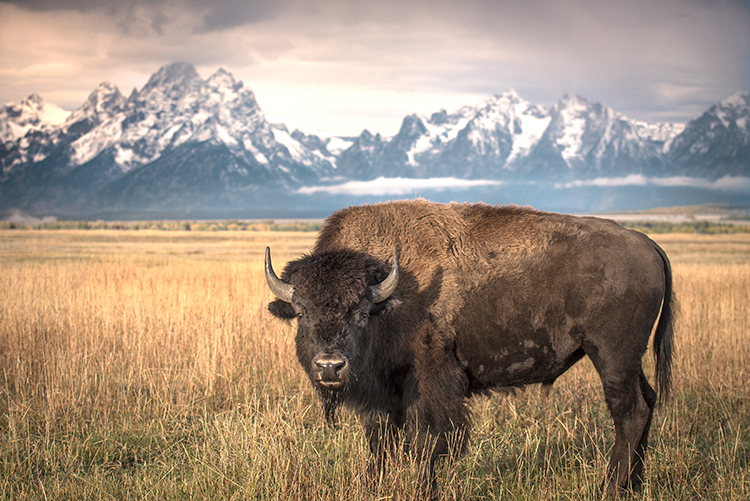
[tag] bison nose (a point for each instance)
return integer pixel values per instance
(330, 369)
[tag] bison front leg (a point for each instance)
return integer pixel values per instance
(383, 439)
(387, 441)
(437, 416)
(431, 434)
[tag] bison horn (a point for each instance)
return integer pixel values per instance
(280, 289)
(384, 289)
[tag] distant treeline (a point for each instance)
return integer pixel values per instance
(702, 227)
(232, 225)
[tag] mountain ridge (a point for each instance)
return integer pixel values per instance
(182, 141)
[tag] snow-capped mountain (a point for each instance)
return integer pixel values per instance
(182, 142)
(717, 143)
(587, 140)
(472, 142)
(176, 107)
(32, 114)
(215, 128)
(507, 137)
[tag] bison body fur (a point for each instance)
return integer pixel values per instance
(487, 297)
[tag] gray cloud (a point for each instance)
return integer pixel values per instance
(217, 14)
(361, 63)
(229, 14)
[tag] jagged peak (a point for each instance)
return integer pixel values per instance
(572, 100)
(733, 110)
(736, 100)
(223, 77)
(572, 106)
(34, 100)
(34, 109)
(508, 95)
(104, 94)
(104, 99)
(505, 102)
(412, 121)
(173, 74)
(439, 117)
(366, 137)
(106, 87)
(32, 113)
(224, 83)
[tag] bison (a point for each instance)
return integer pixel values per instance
(406, 309)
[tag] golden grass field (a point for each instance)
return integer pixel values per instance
(144, 365)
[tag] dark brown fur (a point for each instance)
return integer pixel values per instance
(489, 297)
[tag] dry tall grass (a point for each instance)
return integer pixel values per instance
(140, 365)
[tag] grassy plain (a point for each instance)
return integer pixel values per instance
(143, 365)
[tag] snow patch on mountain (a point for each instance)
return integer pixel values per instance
(573, 125)
(659, 132)
(727, 111)
(31, 114)
(529, 123)
(90, 145)
(336, 145)
(296, 150)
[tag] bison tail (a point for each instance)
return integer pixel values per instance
(664, 335)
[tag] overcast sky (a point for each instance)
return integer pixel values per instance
(341, 66)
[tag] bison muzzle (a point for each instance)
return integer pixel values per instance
(406, 309)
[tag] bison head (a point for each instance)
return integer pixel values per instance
(334, 296)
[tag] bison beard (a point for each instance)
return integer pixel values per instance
(476, 298)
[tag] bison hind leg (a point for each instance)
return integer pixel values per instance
(649, 395)
(631, 403)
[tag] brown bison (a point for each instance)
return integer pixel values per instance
(405, 309)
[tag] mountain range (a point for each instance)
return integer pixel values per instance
(182, 143)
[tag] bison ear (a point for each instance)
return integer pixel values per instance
(281, 309)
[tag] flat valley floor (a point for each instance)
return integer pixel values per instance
(144, 365)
